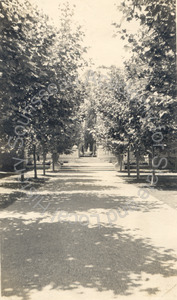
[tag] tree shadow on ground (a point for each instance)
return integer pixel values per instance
(19, 185)
(37, 252)
(78, 202)
(79, 195)
(3, 175)
(16, 190)
(165, 182)
(68, 255)
(8, 199)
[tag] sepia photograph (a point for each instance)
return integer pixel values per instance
(88, 150)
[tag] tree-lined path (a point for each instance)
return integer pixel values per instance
(97, 238)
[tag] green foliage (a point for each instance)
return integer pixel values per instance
(35, 55)
(150, 72)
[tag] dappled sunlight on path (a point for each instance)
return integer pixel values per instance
(97, 238)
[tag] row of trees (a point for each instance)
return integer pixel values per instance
(136, 107)
(40, 90)
(131, 109)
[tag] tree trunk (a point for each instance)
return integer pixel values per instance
(150, 160)
(44, 158)
(53, 162)
(120, 162)
(34, 158)
(128, 161)
(79, 151)
(22, 177)
(22, 174)
(153, 169)
(175, 164)
(137, 165)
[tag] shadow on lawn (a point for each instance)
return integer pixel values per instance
(16, 190)
(8, 199)
(67, 256)
(165, 182)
